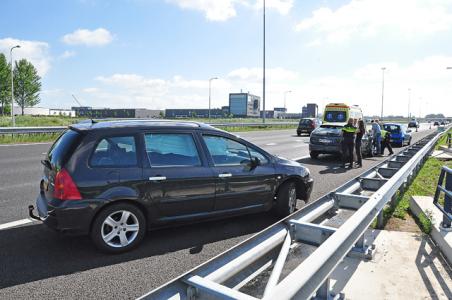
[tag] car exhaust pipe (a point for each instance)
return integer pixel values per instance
(31, 208)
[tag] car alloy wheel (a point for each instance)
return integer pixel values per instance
(120, 229)
(292, 201)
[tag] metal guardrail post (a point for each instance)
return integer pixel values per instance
(446, 173)
(449, 140)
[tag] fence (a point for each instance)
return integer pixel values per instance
(58, 129)
(252, 269)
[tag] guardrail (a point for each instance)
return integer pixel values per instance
(58, 129)
(446, 188)
(252, 269)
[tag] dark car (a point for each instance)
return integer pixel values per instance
(413, 124)
(307, 125)
(436, 123)
(115, 179)
(399, 134)
(327, 139)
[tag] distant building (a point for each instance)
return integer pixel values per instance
(281, 109)
(244, 105)
(102, 113)
(42, 111)
(176, 113)
(311, 110)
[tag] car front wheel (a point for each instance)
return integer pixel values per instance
(286, 200)
(118, 228)
(314, 154)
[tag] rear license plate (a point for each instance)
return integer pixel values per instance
(325, 141)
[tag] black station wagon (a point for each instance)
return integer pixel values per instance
(114, 180)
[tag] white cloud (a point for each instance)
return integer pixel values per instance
(36, 52)
(67, 54)
(222, 10)
(428, 79)
(364, 18)
(97, 37)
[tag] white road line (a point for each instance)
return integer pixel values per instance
(30, 144)
(15, 223)
(270, 144)
(300, 158)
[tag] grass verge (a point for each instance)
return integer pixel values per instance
(424, 184)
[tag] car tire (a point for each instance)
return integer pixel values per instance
(118, 228)
(299, 133)
(409, 142)
(314, 155)
(286, 199)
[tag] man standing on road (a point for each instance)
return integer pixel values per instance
(386, 142)
(358, 142)
(376, 132)
(348, 143)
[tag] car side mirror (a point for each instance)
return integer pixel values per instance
(255, 162)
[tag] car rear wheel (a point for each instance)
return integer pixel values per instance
(118, 228)
(286, 199)
(314, 155)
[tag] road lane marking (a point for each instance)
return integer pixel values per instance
(270, 144)
(300, 158)
(15, 223)
(30, 144)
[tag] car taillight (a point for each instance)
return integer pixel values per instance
(65, 188)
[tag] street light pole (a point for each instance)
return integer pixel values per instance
(210, 88)
(12, 85)
(409, 103)
(382, 91)
(263, 77)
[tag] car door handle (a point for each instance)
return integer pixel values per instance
(225, 175)
(157, 178)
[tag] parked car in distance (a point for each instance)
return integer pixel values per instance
(114, 180)
(413, 124)
(307, 125)
(400, 135)
(436, 123)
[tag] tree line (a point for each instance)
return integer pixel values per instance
(27, 84)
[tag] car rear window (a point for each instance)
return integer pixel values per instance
(392, 128)
(62, 148)
(305, 122)
(118, 151)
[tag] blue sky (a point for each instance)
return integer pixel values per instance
(160, 54)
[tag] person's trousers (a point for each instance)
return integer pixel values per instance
(385, 145)
(347, 153)
(359, 154)
(378, 142)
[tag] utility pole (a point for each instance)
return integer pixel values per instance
(13, 118)
(382, 91)
(409, 103)
(263, 77)
(210, 88)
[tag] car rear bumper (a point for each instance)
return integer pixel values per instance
(328, 149)
(69, 217)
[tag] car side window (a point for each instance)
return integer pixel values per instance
(226, 152)
(254, 153)
(171, 149)
(115, 152)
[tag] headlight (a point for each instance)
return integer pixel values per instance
(305, 172)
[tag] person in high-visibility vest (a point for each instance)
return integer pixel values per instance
(348, 143)
(386, 142)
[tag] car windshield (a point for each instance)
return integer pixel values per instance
(335, 116)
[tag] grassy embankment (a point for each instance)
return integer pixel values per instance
(423, 185)
(29, 121)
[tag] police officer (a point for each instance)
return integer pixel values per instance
(386, 142)
(348, 143)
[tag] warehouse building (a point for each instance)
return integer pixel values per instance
(244, 105)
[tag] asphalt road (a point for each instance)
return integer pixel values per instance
(36, 262)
